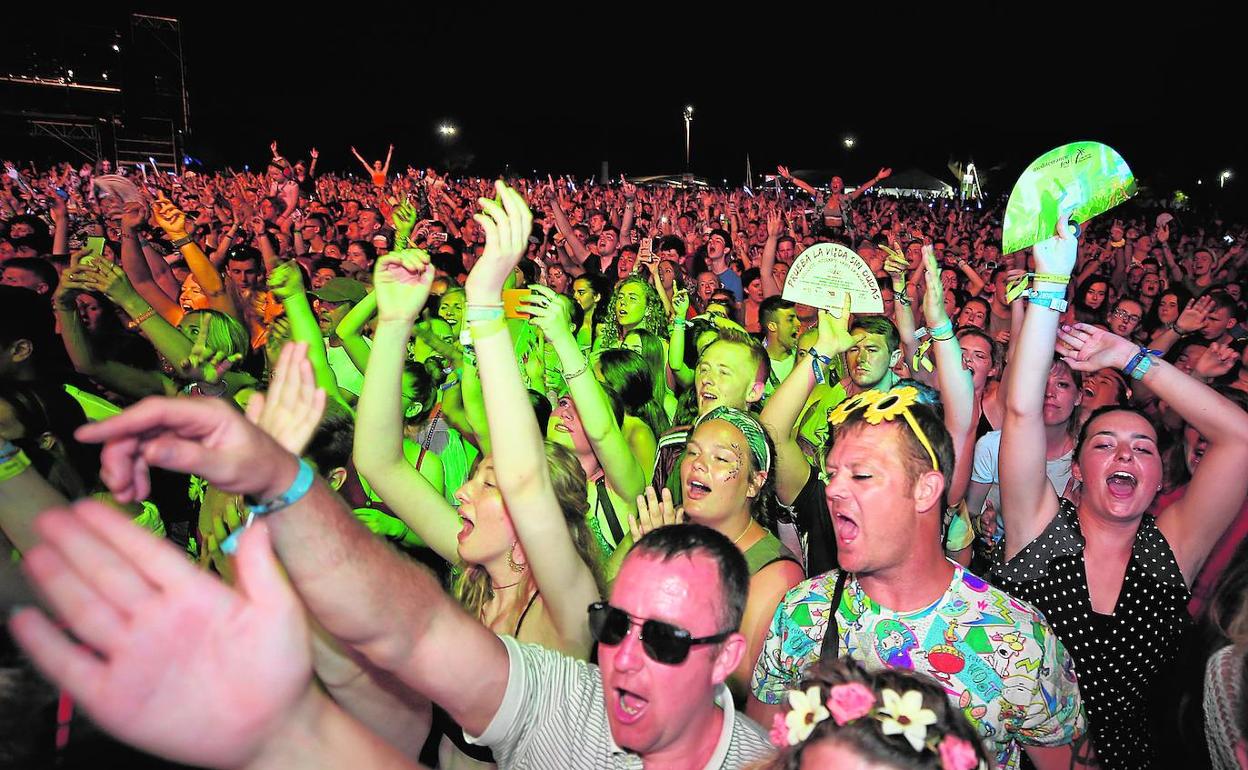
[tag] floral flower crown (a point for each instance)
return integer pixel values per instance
(898, 715)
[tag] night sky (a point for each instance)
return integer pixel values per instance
(561, 91)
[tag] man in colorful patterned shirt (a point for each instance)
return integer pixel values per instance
(996, 656)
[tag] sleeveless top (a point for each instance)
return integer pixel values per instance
(766, 551)
(1118, 657)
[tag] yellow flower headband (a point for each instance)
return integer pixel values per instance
(880, 405)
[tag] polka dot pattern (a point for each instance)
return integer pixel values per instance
(1117, 657)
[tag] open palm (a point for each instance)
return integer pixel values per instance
(173, 646)
(1087, 348)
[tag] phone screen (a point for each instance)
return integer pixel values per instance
(95, 246)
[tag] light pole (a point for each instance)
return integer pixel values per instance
(1225, 175)
(688, 122)
(849, 142)
(446, 129)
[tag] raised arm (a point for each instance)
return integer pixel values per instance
(804, 186)
(767, 262)
(883, 174)
(974, 283)
(385, 169)
(552, 314)
(957, 389)
(60, 221)
(173, 222)
(896, 265)
(566, 583)
(785, 405)
(350, 330)
(261, 712)
(402, 280)
(138, 268)
(367, 168)
(676, 340)
(1195, 523)
(574, 243)
(286, 283)
(127, 380)
(23, 494)
(630, 201)
(1028, 502)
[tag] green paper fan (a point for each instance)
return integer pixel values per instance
(1094, 174)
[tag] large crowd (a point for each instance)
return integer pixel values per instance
(547, 473)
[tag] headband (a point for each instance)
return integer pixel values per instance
(749, 427)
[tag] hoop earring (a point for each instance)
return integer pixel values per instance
(511, 560)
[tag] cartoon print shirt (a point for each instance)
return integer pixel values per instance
(996, 657)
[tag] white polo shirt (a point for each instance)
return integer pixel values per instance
(554, 714)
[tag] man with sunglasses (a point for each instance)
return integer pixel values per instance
(668, 638)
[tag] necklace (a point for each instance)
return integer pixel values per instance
(509, 585)
(748, 524)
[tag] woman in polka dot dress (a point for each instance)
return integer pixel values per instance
(1112, 581)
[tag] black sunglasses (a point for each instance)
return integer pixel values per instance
(663, 642)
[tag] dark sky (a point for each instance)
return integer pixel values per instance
(536, 88)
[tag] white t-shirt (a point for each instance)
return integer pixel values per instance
(349, 378)
(984, 471)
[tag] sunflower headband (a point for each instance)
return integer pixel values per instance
(749, 427)
(882, 405)
(902, 715)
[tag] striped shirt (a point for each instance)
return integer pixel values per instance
(554, 714)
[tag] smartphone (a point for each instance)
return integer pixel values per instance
(439, 237)
(512, 299)
(95, 247)
(646, 250)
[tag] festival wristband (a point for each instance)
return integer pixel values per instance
(1140, 363)
(941, 332)
(475, 313)
(298, 488)
(185, 240)
(1019, 286)
(815, 360)
(1053, 300)
(12, 464)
